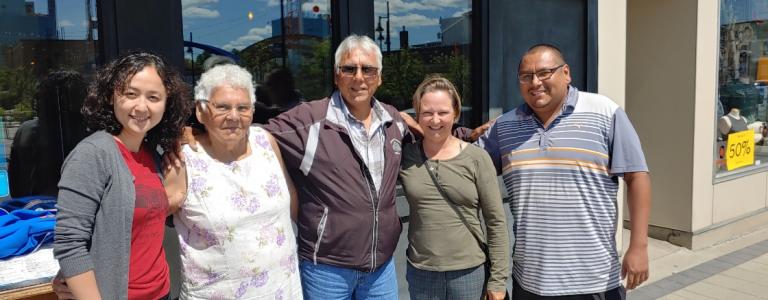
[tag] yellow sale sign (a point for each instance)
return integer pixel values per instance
(740, 150)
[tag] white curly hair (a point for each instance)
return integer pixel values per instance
(224, 75)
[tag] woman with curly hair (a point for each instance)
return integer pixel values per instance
(111, 203)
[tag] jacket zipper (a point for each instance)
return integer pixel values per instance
(320, 231)
(374, 202)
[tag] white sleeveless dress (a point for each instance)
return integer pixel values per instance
(235, 234)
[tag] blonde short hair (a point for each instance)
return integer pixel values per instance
(435, 83)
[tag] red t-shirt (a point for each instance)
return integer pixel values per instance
(148, 270)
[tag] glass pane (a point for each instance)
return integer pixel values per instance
(47, 54)
(250, 33)
(743, 86)
(420, 38)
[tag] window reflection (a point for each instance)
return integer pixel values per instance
(289, 68)
(46, 54)
(742, 105)
(425, 37)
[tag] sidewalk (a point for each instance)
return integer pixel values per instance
(733, 270)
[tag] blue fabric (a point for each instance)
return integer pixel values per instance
(30, 202)
(326, 282)
(23, 231)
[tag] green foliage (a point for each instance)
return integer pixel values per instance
(23, 111)
(197, 67)
(17, 89)
(200, 59)
(258, 60)
(315, 71)
(455, 67)
(404, 70)
(402, 73)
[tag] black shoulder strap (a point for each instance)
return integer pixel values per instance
(448, 199)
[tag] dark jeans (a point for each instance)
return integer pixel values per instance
(518, 293)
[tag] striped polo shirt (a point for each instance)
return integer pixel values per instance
(563, 182)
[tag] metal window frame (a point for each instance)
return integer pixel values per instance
(124, 26)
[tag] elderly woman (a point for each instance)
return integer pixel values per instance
(447, 183)
(111, 202)
(233, 200)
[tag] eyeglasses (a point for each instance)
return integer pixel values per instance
(350, 71)
(222, 109)
(542, 74)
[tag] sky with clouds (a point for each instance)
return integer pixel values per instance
(226, 23)
(70, 19)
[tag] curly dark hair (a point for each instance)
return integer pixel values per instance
(98, 109)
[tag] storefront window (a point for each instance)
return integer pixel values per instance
(47, 54)
(742, 107)
(420, 38)
(288, 68)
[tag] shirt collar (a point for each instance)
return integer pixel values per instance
(379, 113)
(571, 98)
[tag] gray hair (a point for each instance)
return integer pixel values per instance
(355, 41)
(224, 75)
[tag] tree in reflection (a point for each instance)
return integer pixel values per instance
(403, 71)
(316, 72)
(17, 91)
(454, 67)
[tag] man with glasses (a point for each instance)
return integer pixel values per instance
(343, 153)
(560, 154)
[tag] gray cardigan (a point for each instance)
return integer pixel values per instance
(95, 213)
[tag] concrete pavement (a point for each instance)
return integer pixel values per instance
(733, 270)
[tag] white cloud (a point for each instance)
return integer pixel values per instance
(307, 7)
(461, 12)
(66, 23)
(191, 3)
(398, 6)
(198, 9)
(409, 20)
(199, 12)
(253, 35)
(273, 3)
(447, 3)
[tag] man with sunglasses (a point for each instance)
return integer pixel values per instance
(343, 153)
(560, 154)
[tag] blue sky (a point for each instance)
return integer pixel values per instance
(225, 23)
(70, 19)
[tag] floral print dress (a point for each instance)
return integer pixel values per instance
(235, 233)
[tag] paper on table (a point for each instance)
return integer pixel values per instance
(33, 268)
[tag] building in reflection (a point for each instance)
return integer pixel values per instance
(18, 21)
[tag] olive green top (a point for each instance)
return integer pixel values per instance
(438, 238)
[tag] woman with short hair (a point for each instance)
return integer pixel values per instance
(233, 200)
(448, 184)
